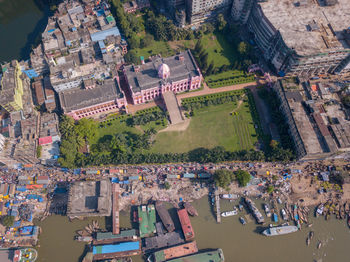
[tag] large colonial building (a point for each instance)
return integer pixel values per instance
(177, 73)
(92, 99)
(304, 38)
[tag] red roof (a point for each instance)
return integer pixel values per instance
(185, 224)
(42, 178)
(45, 140)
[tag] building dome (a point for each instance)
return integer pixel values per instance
(163, 71)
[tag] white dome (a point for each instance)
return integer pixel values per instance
(163, 71)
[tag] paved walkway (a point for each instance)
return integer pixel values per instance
(172, 107)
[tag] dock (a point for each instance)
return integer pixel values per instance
(115, 209)
(217, 204)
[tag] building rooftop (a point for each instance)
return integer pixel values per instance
(75, 99)
(182, 66)
(90, 198)
(305, 27)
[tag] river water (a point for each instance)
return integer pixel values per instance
(239, 243)
(21, 24)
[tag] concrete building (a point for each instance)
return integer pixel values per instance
(97, 98)
(304, 38)
(11, 87)
(316, 132)
(199, 11)
(149, 81)
(90, 198)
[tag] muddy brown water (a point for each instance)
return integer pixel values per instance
(239, 243)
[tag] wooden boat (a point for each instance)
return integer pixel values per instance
(311, 234)
(308, 240)
(190, 209)
(349, 220)
(319, 244)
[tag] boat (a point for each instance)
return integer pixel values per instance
(319, 244)
(284, 214)
(229, 213)
(242, 220)
(190, 209)
(258, 216)
(185, 224)
(240, 207)
(174, 252)
(84, 238)
(308, 240)
(209, 256)
(348, 220)
(267, 210)
(228, 196)
(25, 255)
(311, 234)
(275, 217)
(281, 230)
(319, 210)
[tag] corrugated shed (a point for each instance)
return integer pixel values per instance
(45, 140)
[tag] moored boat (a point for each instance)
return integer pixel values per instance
(281, 230)
(190, 209)
(319, 210)
(229, 213)
(258, 216)
(229, 196)
(284, 214)
(275, 217)
(242, 220)
(348, 220)
(267, 210)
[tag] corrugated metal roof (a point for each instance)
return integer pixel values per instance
(102, 35)
(110, 235)
(120, 247)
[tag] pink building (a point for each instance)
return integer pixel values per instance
(94, 99)
(176, 73)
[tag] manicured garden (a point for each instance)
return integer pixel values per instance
(229, 78)
(228, 124)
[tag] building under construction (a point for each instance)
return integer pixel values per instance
(304, 38)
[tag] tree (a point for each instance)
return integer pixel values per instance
(86, 128)
(243, 177)
(242, 48)
(209, 29)
(167, 185)
(223, 178)
(131, 57)
(38, 151)
(134, 41)
(146, 41)
(221, 22)
(270, 189)
(346, 100)
(67, 126)
(8, 221)
(210, 68)
(198, 47)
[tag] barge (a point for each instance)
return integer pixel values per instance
(147, 220)
(110, 238)
(210, 256)
(190, 209)
(123, 249)
(164, 216)
(256, 213)
(186, 224)
(174, 252)
(282, 230)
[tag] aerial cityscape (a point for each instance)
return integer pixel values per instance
(174, 130)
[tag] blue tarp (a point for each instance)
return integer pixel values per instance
(31, 73)
(77, 171)
(115, 180)
(64, 169)
(121, 247)
(21, 188)
(51, 30)
(17, 223)
(102, 35)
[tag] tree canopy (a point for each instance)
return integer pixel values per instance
(7, 221)
(243, 177)
(223, 178)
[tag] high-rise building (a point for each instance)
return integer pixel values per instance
(11, 87)
(304, 38)
(200, 10)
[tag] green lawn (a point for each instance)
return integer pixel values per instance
(157, 47)
(212, 126)
(219, 49)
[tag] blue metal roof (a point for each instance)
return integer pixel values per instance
(121, 247)
(102, 35)
(31, 73)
